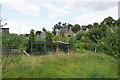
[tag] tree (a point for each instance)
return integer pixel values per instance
(109, 20)
(59, 26)
(111, 42)
(38, 32)
(96, 25)
(89, 26)
(94, 34)
(32, 35)
(80, 34)
(13, 41)
(76, 28)
(69, 26)
(84, 27)
(44, 30)
(72, 43)
(49, 37)
(54, 31)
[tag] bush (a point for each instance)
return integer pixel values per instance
(111, 43)
(32, 35)
(79, 46)
(94, 33)
(72, 43)
(88, 44)
(49, 37)
(13, 41)
(80, 34)
(61, 37)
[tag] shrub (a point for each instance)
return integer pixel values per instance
(72, 43)
(88, 44)
(111, 43)
(79, 46)
(80, 34)
(94, 33)
(13, 41)
(32, 35)
(49, 37)
(61, 37)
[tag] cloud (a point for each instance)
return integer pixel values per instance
(22, 26)
(90, 18)
(93, 11)
(54, 10)
(33, 8)
(90, 6)
(22, 6)
(67, 1)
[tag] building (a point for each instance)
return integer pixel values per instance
(4, 30)
(66, 32)
(43, 35)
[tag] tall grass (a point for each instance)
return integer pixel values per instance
(0, 66)
(89, 65)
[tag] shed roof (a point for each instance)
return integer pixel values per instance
(51, 43)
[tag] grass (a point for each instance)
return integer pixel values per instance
(89, 65)
(0, 66)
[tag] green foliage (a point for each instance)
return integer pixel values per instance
(98, 74)
(84, 27)
(86, 65)
(0, 66)
(80, 34)
(44, 30)
(72, 43)
(54, 32)
(8, 60)
(49, 37)
(79, 47)
(60, 25)
(32, 35)
(89, 26)
(95, 25)
(111, 43)
(108, 20)
(13, 41)
(76, 28)
(88, 44)
(61, 37)
(94, 34)
(38, 32)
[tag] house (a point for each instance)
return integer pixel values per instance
(43, 35)
(67, 32)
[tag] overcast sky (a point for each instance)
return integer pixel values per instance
(36, 14)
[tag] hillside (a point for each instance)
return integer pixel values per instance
(87, 65)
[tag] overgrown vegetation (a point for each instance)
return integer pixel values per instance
(100, 38)
(85, 65)
(14, 41)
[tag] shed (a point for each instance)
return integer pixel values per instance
(48, 46)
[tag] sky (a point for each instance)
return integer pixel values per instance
(24, 15)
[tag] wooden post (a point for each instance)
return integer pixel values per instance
(45, 47)
(68, 48)
(57, 47)
(52, 48)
